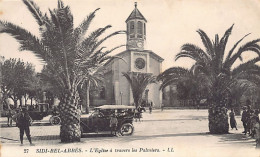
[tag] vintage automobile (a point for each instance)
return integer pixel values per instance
(40, 111)
(99, 120)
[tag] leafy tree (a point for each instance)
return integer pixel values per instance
(15, 73)
(217, 72)
(138, 83)
(69, 56)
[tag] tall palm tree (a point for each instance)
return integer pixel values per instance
(69, 56)
(218, 73)
(93, 80)
(138, 83)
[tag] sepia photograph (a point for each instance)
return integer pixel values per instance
(115, 78)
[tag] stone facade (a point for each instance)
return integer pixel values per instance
(134, 59)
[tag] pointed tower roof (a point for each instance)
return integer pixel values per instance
(136, 14)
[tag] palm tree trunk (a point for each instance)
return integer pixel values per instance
(218, 120)
(70, 121)
(84, 97)
(87, 97)
(237, 108)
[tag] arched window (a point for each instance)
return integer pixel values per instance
(139, 29)
(132, 27)
(144, 29)
(127, 29)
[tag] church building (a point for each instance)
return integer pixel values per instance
(136, 58)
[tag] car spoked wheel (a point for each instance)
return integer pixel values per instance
(55, 120)
(126, 129)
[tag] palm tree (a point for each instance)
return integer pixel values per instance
(93, 80)
(68, 54)
(189, 84)
(138, 83)
(218, 74)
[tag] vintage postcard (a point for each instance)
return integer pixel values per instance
(174, 78)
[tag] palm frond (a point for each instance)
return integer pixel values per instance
(81, 30)
(107, 37)
(250, 46)
(35, 10)
(193, 52)
(26, 39)
(222, 46)
(245, 66)
(207, 43)
(234, 47)
(173, 75)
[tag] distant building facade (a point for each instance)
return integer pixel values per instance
(136, 58)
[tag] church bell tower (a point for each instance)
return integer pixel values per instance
(136, 30)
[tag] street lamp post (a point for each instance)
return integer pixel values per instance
(121, 93)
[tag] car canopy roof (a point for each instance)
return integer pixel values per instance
(104, 107)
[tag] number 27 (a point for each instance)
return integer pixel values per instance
(26, 150)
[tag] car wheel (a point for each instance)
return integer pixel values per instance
(55, 120)
(126, 129)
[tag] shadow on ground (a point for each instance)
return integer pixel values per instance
(47, 137)
(224, 138)
(34, 124)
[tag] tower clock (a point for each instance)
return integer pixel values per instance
(136, 30)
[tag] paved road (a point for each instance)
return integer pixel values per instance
(172, 132)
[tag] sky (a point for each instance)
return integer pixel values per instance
(171, 23)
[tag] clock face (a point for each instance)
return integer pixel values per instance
(140, 63)
(139, 44)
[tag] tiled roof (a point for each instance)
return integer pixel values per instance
(136, 14)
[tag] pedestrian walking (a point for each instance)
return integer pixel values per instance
(244, 119)
(113, 124)
(249, 115)
(150, 107)
(254, 121)
(233, 123)
(9, 118)
(23, 123)
(162, 106)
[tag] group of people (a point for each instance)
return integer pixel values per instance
(249, 118)
(251, 123)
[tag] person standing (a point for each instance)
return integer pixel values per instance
(254, 121)
(233, 122)
(257, 129)
(23, 123)
(244, 119)
(151, 107)
(162, 105)
(249, 117)
(9, 118)
(113, 124)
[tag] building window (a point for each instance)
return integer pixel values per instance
(144, 29)
(139, 28)
(127, 29)
(132, 27)
(102, 93)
